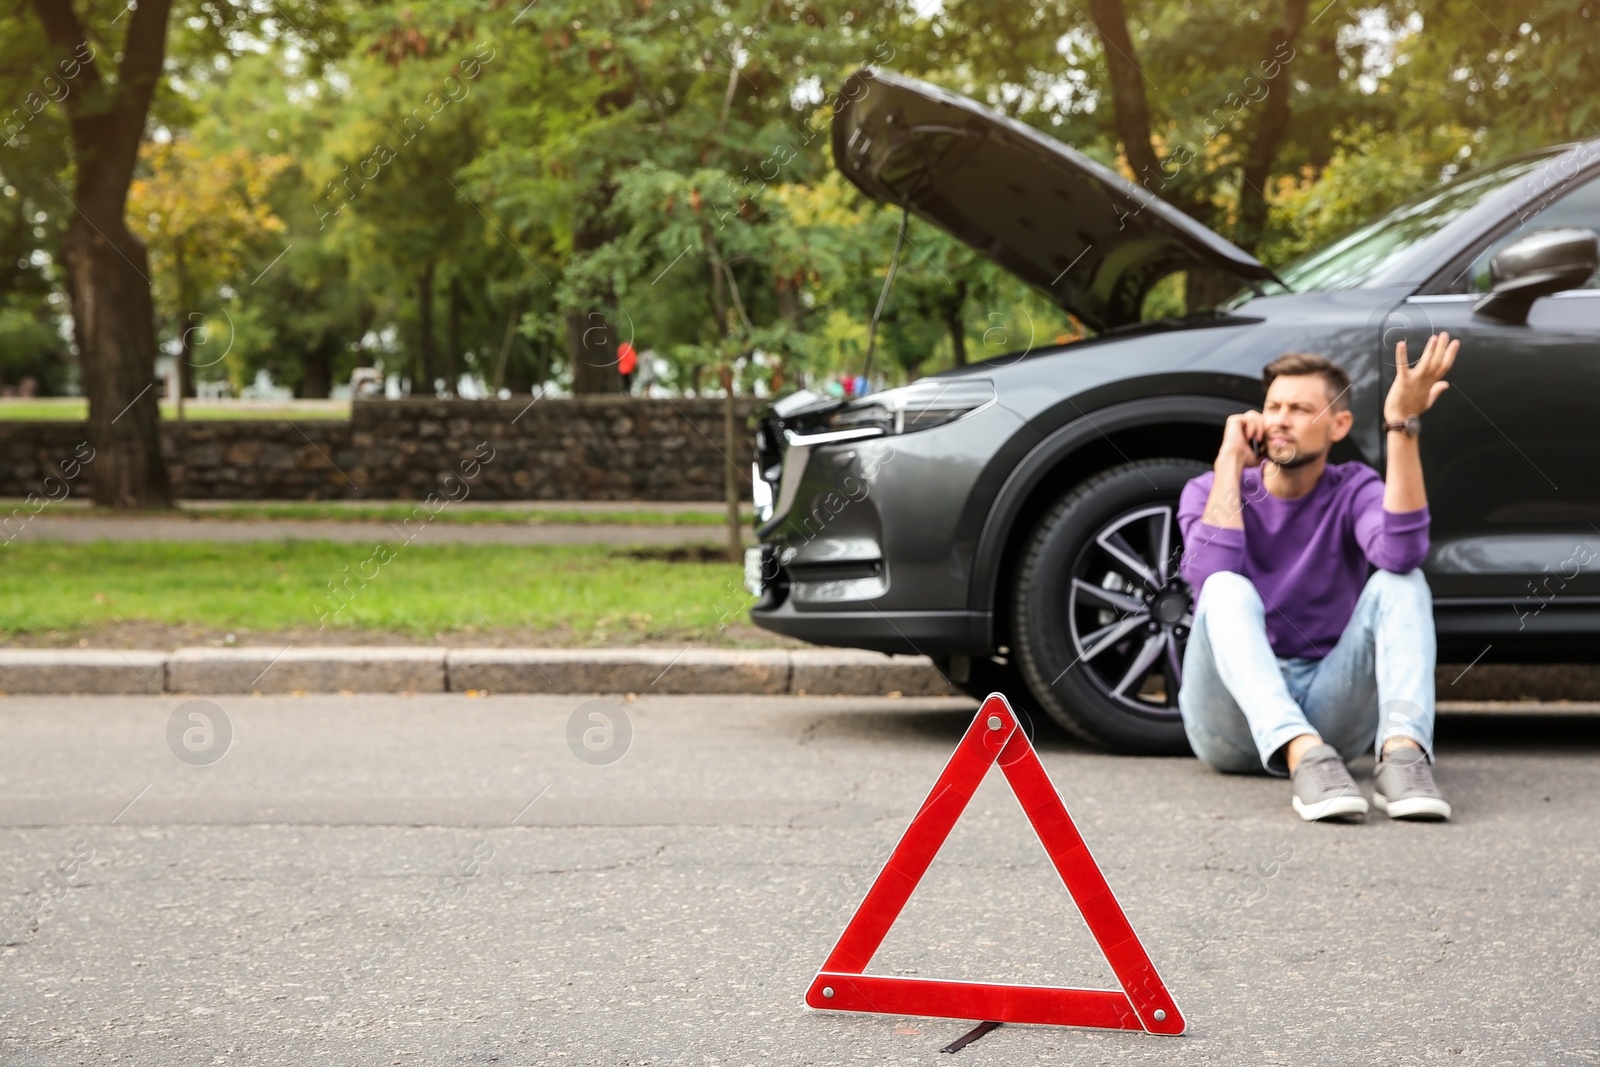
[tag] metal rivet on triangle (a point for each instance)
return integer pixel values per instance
(1161, 1016)
(994, 722)
(827, 991)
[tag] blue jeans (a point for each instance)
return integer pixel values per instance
(1241, 704)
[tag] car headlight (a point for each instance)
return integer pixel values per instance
(811, 423)
(918, 406)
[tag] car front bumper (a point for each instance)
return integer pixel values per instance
(864, 545)
(903, 632)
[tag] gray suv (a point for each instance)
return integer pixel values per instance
(1015, 519)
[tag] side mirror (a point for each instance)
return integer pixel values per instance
(1543, 262)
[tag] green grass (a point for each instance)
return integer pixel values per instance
(397, 511)
(76, 409)
(601, 594)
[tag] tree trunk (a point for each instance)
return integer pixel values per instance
(186, 301)
(184, 370)
(958, 339)
(185, 365)
(1128, 102)
(954, 323)
(452, 329)
(592, 353)
(793, 313)
(107, 268)
(316, 370)
(1270, 129)
(513, 316)
(790, 308)
(731, 489)
(426, 347)
(114, 324)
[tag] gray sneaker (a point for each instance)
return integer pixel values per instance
(1402, 786)
(1323, 788)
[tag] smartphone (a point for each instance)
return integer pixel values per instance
(1260, 446)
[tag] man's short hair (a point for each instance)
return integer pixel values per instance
(1292, 364)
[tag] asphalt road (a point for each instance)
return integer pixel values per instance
(442, 880)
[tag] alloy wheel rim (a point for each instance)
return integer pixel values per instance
(1129, 612)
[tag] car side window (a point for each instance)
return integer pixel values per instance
(1581, 208)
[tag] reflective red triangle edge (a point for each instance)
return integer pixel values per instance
(1143, 1002)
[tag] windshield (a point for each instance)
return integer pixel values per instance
(1360, 253)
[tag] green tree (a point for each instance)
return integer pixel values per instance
(205, 218)
(110, 58)
(107, 266)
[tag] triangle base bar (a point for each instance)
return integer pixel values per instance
(1107, 1009)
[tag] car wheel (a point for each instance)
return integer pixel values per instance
(1099, 614)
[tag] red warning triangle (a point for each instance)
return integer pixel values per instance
(1142, 1003)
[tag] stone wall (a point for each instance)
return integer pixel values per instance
(577, 448)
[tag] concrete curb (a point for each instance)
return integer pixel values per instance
(643, 670)
(766, 672)
(384, 669)
(855, 672)
(377, 669)
(81, 670)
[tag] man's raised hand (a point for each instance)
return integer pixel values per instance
(1416, 388)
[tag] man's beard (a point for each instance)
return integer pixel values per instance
(1300, 459)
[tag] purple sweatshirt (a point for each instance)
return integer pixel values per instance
(1306, 557)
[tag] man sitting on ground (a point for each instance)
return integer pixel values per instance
(1298, 661)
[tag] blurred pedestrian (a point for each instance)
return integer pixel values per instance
(627, 363)
(647, 372)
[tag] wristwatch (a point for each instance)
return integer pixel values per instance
(1411, 426)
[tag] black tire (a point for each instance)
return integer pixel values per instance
(1099, 615)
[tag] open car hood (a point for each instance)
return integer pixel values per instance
(1092, 240)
